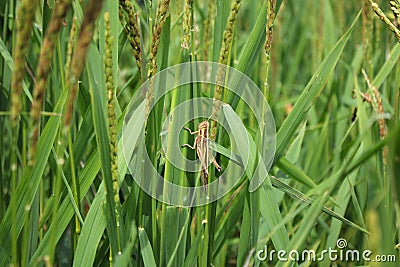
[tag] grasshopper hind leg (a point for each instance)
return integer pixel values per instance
(204, 181)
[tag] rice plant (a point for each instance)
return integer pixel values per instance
(291, 108)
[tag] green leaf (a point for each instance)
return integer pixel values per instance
(96, 214)
(28, 185)
(388, 66)
(66, 211)
(125, 258)
(293, 152)
(270, 208)
(145, 249)
(103, 143)
(294, 172)
(10, 63)
(222, 9)
(89, 237)
(300, 196)
(177, 256)
(310, 93)
(6, 55)
(308, 222)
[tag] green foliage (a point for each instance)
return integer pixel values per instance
(331, 177)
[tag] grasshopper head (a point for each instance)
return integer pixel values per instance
(203, 125)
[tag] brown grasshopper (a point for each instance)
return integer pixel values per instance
(201, 143)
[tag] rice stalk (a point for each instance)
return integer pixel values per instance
(367, 34)
(92, 11)
(376, 103)
(317, 135)
(130, 23)
(268, 42)
(25, 17)
(70, 46)
(43, 69)
(187, 24)
(223, 59)
(74, 70)
(395, 7)
(385, 19)
(75, 188)
(112, 123)
(208, 26)
(157, 28)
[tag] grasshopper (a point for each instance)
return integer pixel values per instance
(201, 144)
